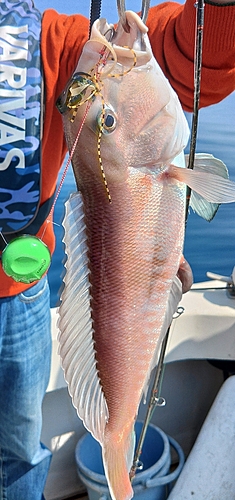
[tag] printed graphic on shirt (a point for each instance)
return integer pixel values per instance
(20, 114)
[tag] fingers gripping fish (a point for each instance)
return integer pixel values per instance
(123, 256)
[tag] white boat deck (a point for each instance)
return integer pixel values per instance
(206, 330)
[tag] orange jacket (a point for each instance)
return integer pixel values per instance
(172, 34)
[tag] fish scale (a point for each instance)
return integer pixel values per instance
(121, 288)
(126, 311)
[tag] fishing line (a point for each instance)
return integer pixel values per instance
(49, 218)
(103, 56)
(85, 87)
(78, 93)
(101, 128)
(116, 75)
(4, 239)
(102, 118)
(27, 258)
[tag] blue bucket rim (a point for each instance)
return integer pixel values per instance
(141, 476)
(159, 481)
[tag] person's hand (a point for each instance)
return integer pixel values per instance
(185, 275)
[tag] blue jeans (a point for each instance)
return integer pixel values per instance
(25, 353)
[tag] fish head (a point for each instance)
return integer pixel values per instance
(121, 105)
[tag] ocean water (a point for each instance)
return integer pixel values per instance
(208, 246)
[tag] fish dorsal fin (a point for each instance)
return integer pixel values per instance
(75, 325)
(205, 163)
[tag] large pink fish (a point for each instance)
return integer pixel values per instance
(123, 256)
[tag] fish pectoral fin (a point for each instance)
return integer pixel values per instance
(209, 179)
(202, 207)
(117, 459)
(76, 344)
(206, 162)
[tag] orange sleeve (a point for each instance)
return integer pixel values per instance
(62, 41)
(172, 36)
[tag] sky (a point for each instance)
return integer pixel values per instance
(108, 9)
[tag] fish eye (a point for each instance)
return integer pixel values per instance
(107, 120)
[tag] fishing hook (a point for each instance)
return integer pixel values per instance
(121, 6)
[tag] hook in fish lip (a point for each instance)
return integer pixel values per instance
(110, 34)
(80, 88)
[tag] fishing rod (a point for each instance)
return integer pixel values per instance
(197, 84)
(155, 399)
(153, 402)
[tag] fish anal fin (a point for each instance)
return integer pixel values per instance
(75, 324)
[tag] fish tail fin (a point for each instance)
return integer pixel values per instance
(117, 460)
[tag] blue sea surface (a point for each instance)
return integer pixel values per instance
(209, 246)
